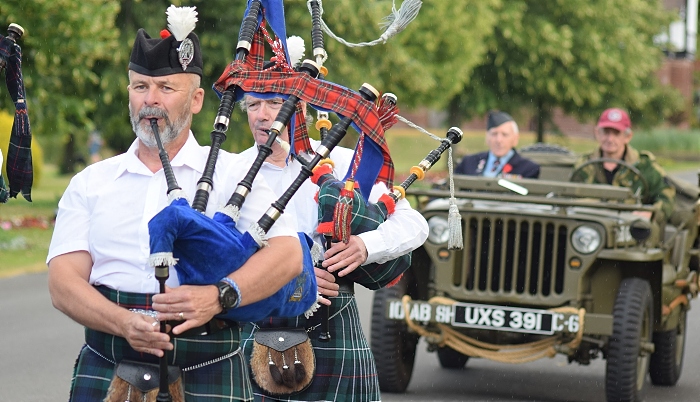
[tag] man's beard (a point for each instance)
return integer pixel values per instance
(171, 131)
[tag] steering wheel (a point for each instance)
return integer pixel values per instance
(625, 165)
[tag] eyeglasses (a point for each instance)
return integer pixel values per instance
(273, 104)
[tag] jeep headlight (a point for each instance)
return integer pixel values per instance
(438, 231)
(585, 239)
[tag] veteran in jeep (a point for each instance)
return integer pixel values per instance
(617, 163)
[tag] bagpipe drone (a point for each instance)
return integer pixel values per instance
(19, 156)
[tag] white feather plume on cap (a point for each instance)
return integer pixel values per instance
(181, 21)
(295, 48)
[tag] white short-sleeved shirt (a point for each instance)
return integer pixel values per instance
(106, 208)
(404, 231)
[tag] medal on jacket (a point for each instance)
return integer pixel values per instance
(480, 166)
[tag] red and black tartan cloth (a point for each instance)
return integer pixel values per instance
(19, 156)
(247, 76)
(226, 380)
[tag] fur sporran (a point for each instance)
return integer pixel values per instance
(283, 360)
(136, 381)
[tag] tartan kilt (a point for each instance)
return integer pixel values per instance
(345, 369)
(225, 380)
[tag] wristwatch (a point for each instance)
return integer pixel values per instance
(227, 296)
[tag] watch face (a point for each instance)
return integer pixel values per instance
(227, 296)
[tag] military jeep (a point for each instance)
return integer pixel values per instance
(548, 266)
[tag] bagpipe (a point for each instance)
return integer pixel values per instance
(204, 250)
(19, 156)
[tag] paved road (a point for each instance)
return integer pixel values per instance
(38, 346)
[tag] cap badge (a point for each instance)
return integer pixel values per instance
(185, 53)
(614, 115)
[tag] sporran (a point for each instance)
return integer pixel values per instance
(282, 361)
(136, 381)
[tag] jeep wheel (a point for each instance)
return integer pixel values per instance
(450, 358)
(667, 360)
(628, 356)
(393, 346)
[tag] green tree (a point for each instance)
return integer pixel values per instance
(579, 55)
(426, 64)
(63, 41)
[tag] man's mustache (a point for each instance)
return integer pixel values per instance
(153, 112)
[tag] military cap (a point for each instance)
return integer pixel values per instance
(496, 118)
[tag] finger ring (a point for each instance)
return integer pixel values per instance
(182, 316)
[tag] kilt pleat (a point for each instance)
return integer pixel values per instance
(345, 369)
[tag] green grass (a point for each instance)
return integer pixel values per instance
(24, 249)
(670, 145)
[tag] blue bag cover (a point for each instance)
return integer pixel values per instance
(207, 249)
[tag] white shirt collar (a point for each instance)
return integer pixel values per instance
(188, 155)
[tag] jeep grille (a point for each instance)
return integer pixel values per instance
(513, 255)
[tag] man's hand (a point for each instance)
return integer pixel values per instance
(72, 294)
(193, 305)
(143, 334)
(326, 285)
(345, 257)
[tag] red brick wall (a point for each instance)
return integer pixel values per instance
(679, 74)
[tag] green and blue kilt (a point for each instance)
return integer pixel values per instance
(220, 380)
(345, 369)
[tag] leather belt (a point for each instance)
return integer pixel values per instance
(345, 285)
(213, 326)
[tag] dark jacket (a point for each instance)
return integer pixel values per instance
(516, 167)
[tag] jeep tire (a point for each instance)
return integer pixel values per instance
(627, 360)
(450, 358)
(667, 360)
(393, 346)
